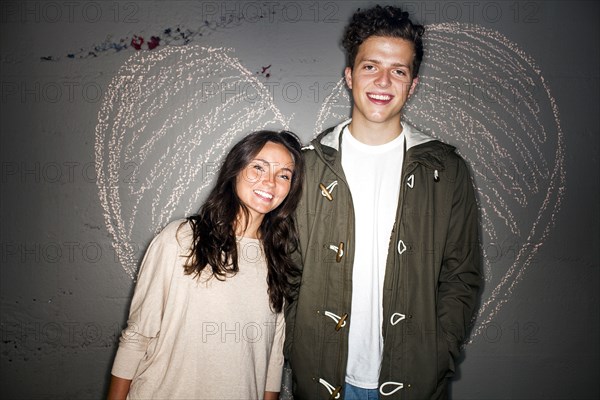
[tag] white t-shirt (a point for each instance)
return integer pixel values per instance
(373, 174)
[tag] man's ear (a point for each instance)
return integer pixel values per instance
(413, 85)
(348, 77)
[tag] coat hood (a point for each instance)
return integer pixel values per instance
(420, 147)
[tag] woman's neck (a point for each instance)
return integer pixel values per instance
(248, 229)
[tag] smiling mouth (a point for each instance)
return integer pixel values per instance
(264, 195)
(380, 98)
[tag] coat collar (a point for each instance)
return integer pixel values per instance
(414, 137)
(432, 155)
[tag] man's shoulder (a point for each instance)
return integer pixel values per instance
(312, 161)
(328, 138)
(317, 144)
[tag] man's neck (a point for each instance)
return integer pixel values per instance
(373, 133)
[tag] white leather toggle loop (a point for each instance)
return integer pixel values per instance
(335, 317)
(398, 385)
(329, 387)
(337, 249)
(396, 317)
(401, 247)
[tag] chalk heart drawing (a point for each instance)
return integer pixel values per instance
(169, 117)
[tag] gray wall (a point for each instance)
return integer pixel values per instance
(101, 148)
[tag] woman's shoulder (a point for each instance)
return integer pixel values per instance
(178, 232)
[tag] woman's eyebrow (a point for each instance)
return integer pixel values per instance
(262, 160)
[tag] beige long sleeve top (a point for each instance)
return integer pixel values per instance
(190, 338)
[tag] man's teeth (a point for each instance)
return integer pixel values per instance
(263, 194)
(383, 97)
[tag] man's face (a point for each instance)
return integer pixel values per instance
(381, 80)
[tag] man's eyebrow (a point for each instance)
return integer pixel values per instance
(370, 60)
(374, 61)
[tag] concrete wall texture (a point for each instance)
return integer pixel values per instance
(115, 116)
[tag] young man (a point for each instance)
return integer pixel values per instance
(389, 238)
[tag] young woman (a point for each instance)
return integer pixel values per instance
(206, 317)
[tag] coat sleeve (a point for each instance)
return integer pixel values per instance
(302, 224)
(460, 275)
(291, 306)
(147, 305)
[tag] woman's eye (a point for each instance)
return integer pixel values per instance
(258, 167)
(286, 177)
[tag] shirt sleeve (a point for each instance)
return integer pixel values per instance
(147, 305)
(275, 367)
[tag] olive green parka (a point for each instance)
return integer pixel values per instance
(431, 281)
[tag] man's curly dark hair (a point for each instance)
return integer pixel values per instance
(385, 21)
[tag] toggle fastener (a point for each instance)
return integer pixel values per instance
(341, 321)
(339, 251)
(333, 391)
(326, 191)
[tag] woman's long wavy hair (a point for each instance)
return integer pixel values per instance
(214, 238)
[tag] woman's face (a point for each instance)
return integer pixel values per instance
(266, 181)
